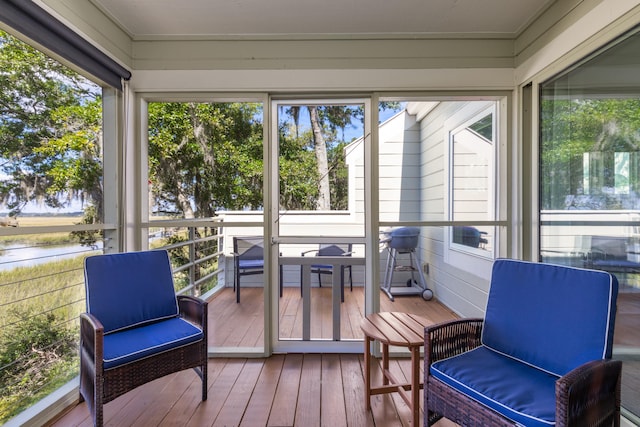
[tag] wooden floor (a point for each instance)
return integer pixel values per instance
(286, 390)
(241, 325)
(282, 390)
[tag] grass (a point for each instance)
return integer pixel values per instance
(41, 221)
(55, 289)
(55, 286)
(52, 287)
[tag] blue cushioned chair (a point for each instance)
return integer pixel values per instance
(540, 357)
(135, 329)
(248, 259)
(320, 269)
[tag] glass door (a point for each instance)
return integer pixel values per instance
(318, 223)
(589, 185)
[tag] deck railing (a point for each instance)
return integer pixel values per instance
(195, 248)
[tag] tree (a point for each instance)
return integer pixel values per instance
(600, 127)
(320, 149)
(330, 190)
(50, 131)
(205, 156)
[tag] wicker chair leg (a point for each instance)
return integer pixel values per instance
(94, 404)
(98, 416)
(90, 394)
(98, 402)
(203, 376)
(430, 417)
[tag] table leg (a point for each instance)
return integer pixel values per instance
(385, 363)
(415, 385)
(367, 372)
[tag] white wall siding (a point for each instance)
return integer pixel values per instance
(399, 169)
(461, 291)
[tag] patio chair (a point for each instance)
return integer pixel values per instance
(248, 257)
(610, 253)
(540, 357)
(135, 329)
(320, 269)
(469, 236)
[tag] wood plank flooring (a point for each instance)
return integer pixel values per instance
(241, 325)
(282, 390)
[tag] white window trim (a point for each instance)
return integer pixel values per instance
(473, 260)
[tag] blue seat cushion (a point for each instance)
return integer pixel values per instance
(247, 264)
(133, 344)
(550, 316)
(518, 391)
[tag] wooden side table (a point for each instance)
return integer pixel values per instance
(402, 330)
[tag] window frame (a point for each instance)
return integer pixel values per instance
(465, 257)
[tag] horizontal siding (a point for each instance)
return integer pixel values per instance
(463, 292)
(322, 54)
(399, 170)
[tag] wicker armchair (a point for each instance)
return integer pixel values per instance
(135, 329)
(543, 384)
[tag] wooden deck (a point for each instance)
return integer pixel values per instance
(241, 325)
(293, 389)
(283, 390)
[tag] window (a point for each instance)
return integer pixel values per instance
(51, 177)
(590, 181)
(317, 146)
(438, 162)
(471, 135)
(204, 158)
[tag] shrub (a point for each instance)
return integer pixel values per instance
(37, 355)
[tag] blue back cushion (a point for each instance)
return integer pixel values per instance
(129, 289)
(550, 316)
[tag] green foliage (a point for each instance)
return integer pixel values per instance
(89, 237)
(205, 156)
(38, 352)
(298, 172)
(50, 130)
(572, 127)
(37, 355)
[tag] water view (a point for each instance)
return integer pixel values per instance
(18, 255)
